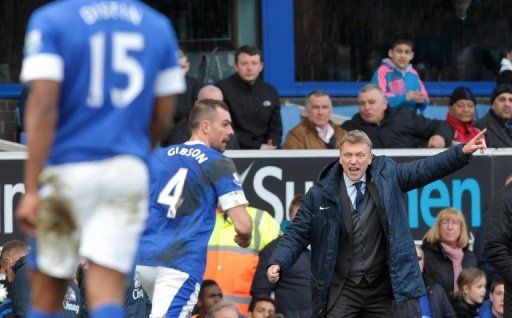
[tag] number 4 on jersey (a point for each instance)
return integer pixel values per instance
(171, 193)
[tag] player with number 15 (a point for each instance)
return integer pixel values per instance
(102, 75)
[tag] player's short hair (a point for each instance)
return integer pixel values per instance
(401, 38)
(221, 305)
(356, 137)
(204, 109)
(250, 50)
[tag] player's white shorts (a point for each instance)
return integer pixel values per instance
(95, 210)
(173, 293)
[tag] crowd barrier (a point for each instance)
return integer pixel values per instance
(271, 179)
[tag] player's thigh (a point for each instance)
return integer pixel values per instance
(66, 190)
(111, 233)
(174, 294)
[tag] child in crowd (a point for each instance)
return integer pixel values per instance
(399, 81)
(470, 295)
(493, 307)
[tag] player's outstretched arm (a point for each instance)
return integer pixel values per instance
(243, 225)
(162, 121)
(40, 121)
(477, 143)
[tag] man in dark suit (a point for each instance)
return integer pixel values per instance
(498, 120)
(355, 218)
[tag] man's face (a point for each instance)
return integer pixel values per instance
(319, 110)
(401, 55)
(463, 110)
(263, 309)
(372, 106)
(249, 67)
(355, 159)
(220, 130)
(7, 263)
(212, 295)
(502, 106)
(497, 299)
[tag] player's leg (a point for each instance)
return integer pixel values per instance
(174, 292)
(111, 234)
(47, 294)
(54, 254)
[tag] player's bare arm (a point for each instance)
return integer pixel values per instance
(163, 111)
(40, 120)
(243, 225)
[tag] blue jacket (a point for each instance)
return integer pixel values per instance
(321, 227)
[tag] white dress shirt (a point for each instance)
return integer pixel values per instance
(351, 188)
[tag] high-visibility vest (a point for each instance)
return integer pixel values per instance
(232, 266)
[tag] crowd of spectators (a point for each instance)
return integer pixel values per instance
(390, 114)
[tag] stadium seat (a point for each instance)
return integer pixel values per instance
(481, 110)
(436, 112)
(346, 111)
(290, 117)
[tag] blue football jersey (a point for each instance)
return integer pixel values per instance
(111, 58)
(188, 181)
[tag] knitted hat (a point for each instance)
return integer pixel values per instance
(462, 93)
(500, 89)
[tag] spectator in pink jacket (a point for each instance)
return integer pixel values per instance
(399, 81)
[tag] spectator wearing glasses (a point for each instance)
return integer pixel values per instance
(446, 250)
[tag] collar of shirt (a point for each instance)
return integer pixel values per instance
(351, 189)
(325, 134)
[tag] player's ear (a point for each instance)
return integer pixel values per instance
(205, 126)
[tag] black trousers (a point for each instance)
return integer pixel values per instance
(364, 300)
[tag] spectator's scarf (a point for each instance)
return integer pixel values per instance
(456, 254)
(464, 132)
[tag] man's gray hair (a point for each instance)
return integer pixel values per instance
(317, 93)
(221, 305)
(356, 137)
(371, 87)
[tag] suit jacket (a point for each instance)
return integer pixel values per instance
(345, 254)
(495, 137)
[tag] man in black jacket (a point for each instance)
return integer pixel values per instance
(396, 127)
(253, 104)
(498, 120)
(498, 242)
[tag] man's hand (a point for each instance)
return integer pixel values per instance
(436, 141)
(243, 240)
(26, 213)
(478, 142)
(268, 146)
(273, 273)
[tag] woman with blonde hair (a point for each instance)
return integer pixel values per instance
(446, 250)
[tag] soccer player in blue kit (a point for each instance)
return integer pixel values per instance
(188, 182)
(103, 75)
